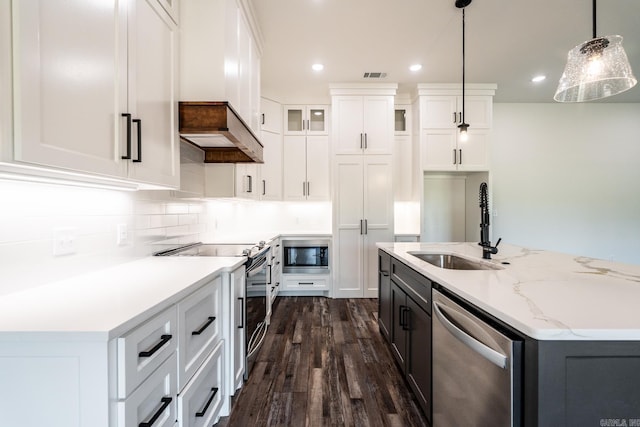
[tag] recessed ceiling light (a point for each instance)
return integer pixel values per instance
(317, 67)
(415, 67)
(538, 79)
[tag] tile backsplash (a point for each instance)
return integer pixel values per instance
(32, 214)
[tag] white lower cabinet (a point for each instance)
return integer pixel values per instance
(307, 282)
(144, 348)
(200, 402)
(199, 317)
(154, 402)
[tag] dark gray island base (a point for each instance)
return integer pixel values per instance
(555, 383)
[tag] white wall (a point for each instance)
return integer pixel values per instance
(566, 177)
(234, 220)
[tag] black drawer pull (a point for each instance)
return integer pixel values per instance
(205, 326)
(204, 410)
(240, 326)
(165, 402)
(163, 340)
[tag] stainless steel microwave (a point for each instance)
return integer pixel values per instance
(305, 256)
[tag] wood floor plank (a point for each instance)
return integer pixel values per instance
(324, 363)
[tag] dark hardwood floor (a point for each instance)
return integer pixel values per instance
(324, 362)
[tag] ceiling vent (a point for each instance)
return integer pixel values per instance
(374, 75)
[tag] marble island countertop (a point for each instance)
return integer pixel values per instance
(545, 295)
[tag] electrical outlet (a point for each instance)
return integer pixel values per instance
(64, 241)
(122, 235)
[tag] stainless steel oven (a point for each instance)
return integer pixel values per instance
(305, 256)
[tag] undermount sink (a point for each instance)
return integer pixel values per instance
(453, 262)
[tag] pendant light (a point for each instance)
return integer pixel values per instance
(461, 4)
(595, 69)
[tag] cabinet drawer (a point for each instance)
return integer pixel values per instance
(200, 402)
(154, 402)
(301, 284)
(144, 348)
(199, 325)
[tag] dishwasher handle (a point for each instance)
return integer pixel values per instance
(482, 349)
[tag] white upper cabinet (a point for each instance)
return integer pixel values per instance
(363, 124)
(441, 111)
(270, 116)
(306, 168)
(78, 68)
(306, 120)
(271, 170)
(445, 112)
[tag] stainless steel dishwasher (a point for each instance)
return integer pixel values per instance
(476, 370)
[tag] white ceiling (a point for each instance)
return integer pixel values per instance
(507, 42)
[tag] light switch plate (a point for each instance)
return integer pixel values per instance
(122, 237)
(64, 241)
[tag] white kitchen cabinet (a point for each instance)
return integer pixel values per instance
(154, 402)
(144, 348)
(403, 153)
(304, 284)
(78, 67)
(271, 170)
(247, 185)
(306, 167)
(363, 215)
(200, 403)
(306, 119)
(441, 148)
(199, 320)
(270, 116)
(362, 124)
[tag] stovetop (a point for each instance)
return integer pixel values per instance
(248, 250)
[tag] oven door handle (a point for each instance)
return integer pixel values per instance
(481, 348)
(256, 268)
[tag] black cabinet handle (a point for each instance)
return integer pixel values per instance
(454, 117)
(139, 123)
(407, 319)
(206, 406)
(365, 142)
(165, 402)
(454, 156)
(400, 316)
(148, 353)
(209, 321)
(460, 156)
(264, 187)
(262, 118)
(242, 316)
(250, 183)
(385, 273)
(128, 116)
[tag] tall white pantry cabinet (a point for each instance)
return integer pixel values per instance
(362, 140)
(94, 88)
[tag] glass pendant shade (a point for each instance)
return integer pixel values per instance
(595, 69)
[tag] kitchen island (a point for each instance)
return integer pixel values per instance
(574, 317)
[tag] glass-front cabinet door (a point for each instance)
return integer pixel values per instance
(306, 120)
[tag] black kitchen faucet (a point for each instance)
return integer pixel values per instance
(487, 249)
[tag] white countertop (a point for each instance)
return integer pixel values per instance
(545, 295)
(104, 304)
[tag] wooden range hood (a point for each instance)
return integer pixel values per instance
(218, 130)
